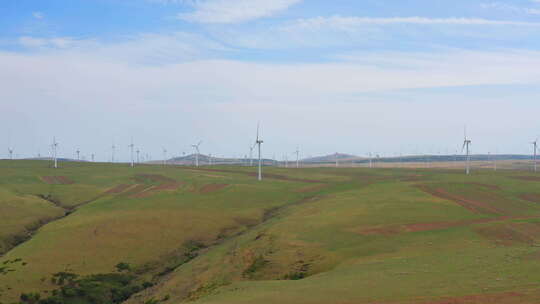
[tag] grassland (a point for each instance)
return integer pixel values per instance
(314, 235)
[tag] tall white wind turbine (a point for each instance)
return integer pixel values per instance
(197, 152)
(535, 145)
(164, 156)
(54, 152)
(251, 155)
(78, 154)
(297, 157)
(466, 146)
(131, 147)
(259, 142)
(138, 159)
(113, 149)
(10, 150)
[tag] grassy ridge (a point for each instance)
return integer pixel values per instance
(318, 235)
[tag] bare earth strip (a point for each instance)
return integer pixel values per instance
(56, 180)
(469, 204)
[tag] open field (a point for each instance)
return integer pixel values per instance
(310, 235)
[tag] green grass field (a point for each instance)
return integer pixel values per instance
(315, 235)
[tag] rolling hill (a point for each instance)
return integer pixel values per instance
(107, 233)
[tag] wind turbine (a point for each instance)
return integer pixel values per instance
(196, 147)
(466, 146)
(92, 157)
(138, 159)
(297, 158)
(78, 154)
(251, 155)
(337, 160)
(259, 142)
(112, 155)
(54, 148)
(164, 156)
(10, 150)
(131, 146)
(535, 145)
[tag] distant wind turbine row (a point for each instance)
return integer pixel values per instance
(466, 149)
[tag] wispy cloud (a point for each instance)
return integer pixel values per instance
(352, 23)
(235, 11)
(512, 8)
(38, 15)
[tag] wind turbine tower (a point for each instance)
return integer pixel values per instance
(196, 147)
(138, 159)
(337, 160)
(259, 142)
(131, 146)
(535, 145)
(78, 155)
(54, 150)
(297, 158)
(251, 155)
(466, 146)
(10, 150)
(92, 157)
(112, 155)
(164, 156)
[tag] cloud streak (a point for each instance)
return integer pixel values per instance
(235, 11)
(352, 23)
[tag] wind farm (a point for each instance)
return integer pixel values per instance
(269, 151)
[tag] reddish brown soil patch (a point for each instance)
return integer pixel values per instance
(156, 178)
(469, 204)
(118, 189)
(419, 227)
(444, 225)
(531, 197)
(386, 231)
(169, 186)
(156, 189)
(56, 180)
(254, 174)
(511, 233)
(212, 188)
(528, 178)
(137, 189)
(501, 298)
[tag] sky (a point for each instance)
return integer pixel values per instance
(372, 76)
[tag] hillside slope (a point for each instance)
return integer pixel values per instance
(320, 235)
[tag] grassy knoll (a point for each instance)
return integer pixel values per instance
(317, 235)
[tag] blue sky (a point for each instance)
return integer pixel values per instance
(385, 76)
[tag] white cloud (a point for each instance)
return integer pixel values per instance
(38, 15)
(139, 49)
(235, 11)
(56, 43)
(78, 94)
(353, 23)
